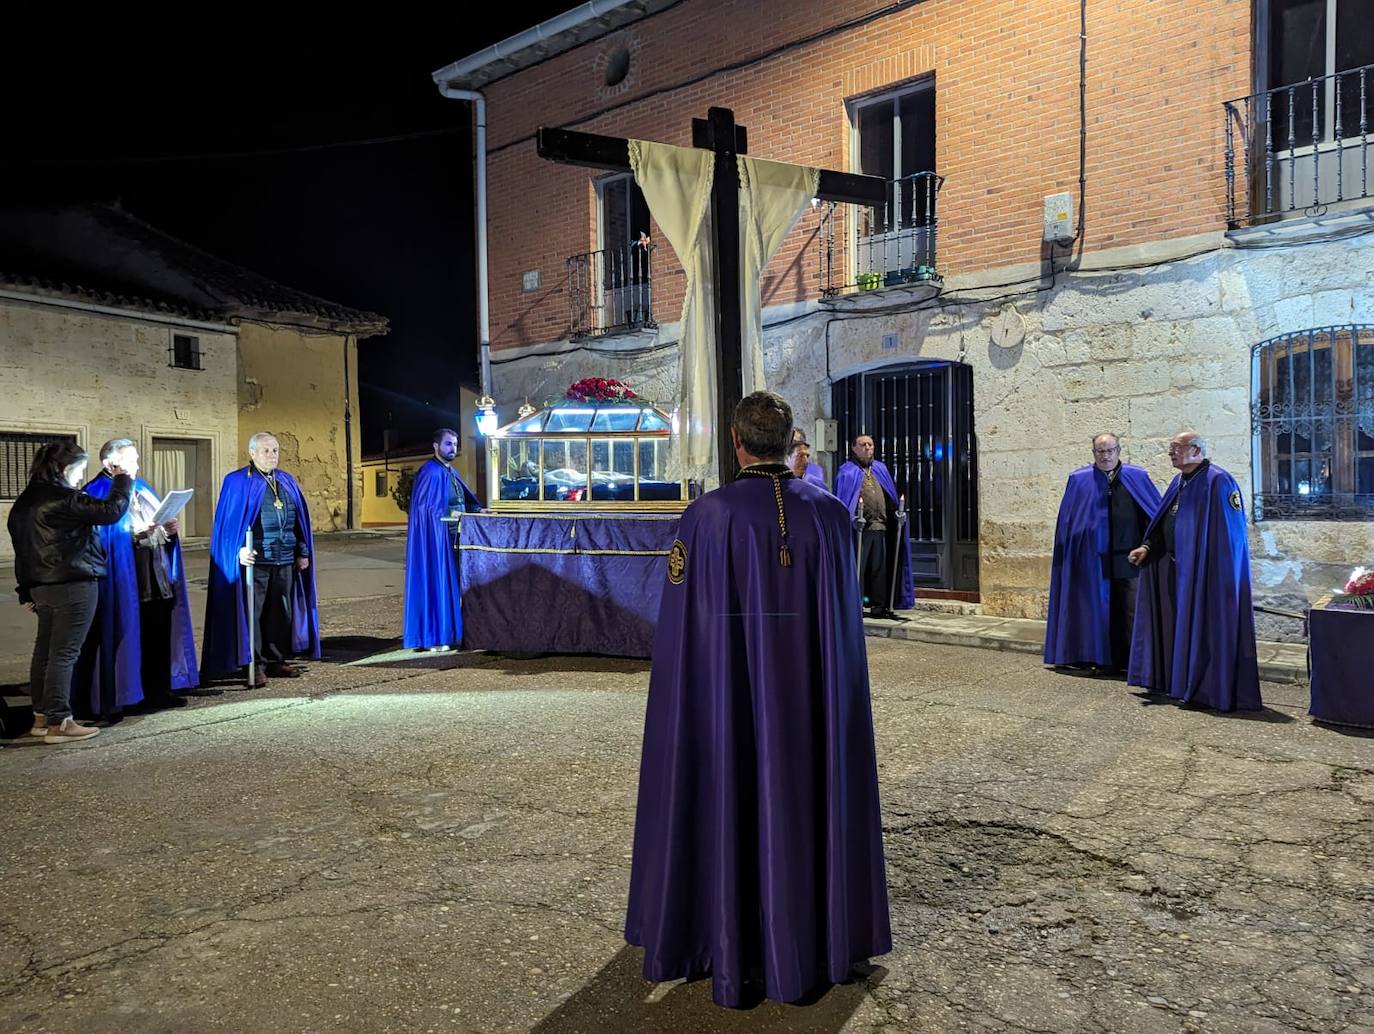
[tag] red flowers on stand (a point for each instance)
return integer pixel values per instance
(1359, 590)
(600, 389)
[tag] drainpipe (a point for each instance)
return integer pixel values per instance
(348, 435)
(483, 311)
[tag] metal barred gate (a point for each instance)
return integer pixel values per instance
(921, 419)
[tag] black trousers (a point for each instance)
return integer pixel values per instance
(1122, 620)
(873, 568)
(155, 644)
(272, 612)
(65, 613)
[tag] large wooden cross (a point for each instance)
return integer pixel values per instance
(717, 132)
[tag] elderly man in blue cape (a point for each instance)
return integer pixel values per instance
(1194, 626)
(1103, 516)
(758, 854)
(286, 619)
(141, 648)
(433, 612)
(866, 488)
(799, 461)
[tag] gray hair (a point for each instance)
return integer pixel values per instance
(1116, 438)
(114, 445)
(257, 440)
(1203, 447)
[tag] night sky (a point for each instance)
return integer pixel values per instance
(171, 120)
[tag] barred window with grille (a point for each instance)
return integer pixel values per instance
(1313, 425)
(17, 451)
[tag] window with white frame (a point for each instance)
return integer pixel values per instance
(893, 137)
(623, 214)
(1323, 43)
(617, 287)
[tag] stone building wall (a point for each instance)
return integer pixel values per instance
(1142, 352)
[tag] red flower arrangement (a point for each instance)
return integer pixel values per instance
(1359, 590)
(600, 389)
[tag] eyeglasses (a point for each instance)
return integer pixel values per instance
(1106, 452)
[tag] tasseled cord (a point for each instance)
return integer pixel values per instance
(784, 553)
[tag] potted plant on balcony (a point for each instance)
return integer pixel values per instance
(869, 281)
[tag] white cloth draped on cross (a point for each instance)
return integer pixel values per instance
(676, 182)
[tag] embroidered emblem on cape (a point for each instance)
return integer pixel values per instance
(1234, 500)
(677, 562)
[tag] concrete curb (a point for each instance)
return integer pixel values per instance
(1278, 662)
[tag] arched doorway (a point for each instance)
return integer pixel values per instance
(921, 418)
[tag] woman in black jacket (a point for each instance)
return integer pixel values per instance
(57, 560)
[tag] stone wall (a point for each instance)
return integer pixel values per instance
(292, 384)
(66, 371)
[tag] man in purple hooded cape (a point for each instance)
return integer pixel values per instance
(800, 464)
(433, 610)
(1103, 516)
(268, 500)
(866, 488)
(1194, 626)
(758, 854)
(142, 647)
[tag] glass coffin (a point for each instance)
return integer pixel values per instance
(585, 454)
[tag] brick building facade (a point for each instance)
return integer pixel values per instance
(1162, 314)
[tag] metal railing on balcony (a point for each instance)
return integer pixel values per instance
(610, 291)
(890, 247)
(1300, 148)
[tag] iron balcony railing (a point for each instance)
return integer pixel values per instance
(883, 248)
(610, 291)
(1298, 148)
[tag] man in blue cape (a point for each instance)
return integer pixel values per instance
(141, 648)
(866, 488)
(269, 501)
(758, 854)
(1194, 626)
(1103, 516)
(433, 611)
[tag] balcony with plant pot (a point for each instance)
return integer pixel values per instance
(870, 257)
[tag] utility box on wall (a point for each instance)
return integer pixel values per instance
(1059, 217)
(827, 438)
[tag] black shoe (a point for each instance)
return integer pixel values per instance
(163, 700)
